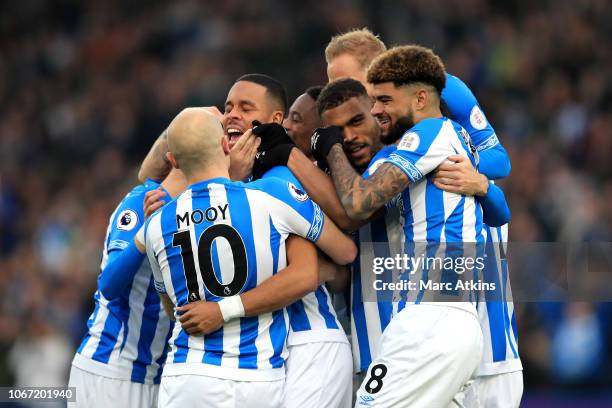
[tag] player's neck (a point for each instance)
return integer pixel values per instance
(175, 183)
(428, 113)
(210, 172)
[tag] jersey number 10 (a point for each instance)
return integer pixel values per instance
(205, 265)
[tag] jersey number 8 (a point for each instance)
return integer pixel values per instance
(183, 239)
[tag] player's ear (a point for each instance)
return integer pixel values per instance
(225, 145)
(422, 98)
(172, 160)
(277, 117)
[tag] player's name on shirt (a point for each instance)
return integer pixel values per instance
(197, 216)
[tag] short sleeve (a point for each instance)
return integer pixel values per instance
(292, 210)
(127, 220)
(423, 148)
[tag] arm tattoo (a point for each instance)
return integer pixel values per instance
(361, 198)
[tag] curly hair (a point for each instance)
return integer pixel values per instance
(408, 64)
(361, 44)
(337, 92)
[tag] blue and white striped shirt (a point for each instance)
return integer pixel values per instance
(382, 237)
(221, 238)
(127, 336)
(429, 214)
(312, 318)
(497, 320)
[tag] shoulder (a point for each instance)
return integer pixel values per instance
(283, 173)
(285, 190)
(421, 135)
(130, 211)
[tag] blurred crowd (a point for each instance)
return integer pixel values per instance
(86, 87)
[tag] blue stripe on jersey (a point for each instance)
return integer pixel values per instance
(378, 229)
(278, 334)
(278, 329)
(408, 243)
(175, 263)
(297, 316)
(90, 322)
(110, 333)
(365, 356)
(125, 316)
(248, 325)
(495, 307)
(504, 266)
(330, 320)
(150, 316)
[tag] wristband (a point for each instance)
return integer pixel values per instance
(231, 308)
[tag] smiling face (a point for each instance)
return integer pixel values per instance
(360, 130)
(302, 120)
(398, 104)
(247, 101)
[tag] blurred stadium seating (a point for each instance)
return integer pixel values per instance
(85, 88)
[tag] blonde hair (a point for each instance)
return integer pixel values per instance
(362, 44)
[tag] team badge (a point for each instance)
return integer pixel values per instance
(127, 220)
(410, 142)
(296, 193)
(477, 118)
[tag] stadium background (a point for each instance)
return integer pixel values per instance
(85, 88)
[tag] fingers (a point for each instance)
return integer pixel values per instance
(244, 141)
(457, 158)
(188, 306)
(454, 174)
(153, 201)
(154, 207)
(448, 187)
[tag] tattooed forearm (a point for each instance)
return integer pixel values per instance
(361, 198)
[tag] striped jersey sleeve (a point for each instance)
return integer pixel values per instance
(423, 148)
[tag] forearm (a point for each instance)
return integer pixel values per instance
(155, 166)
(363, 198)
(494, 163)
(320, 188)
(494, 207)
(284, 288)
(119, 272)
(168, 306)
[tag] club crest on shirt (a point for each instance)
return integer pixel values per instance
(127, 220)
(409, 142)
(296, 193)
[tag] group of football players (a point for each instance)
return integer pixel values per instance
(252, 216)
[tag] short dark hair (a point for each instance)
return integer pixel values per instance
(337, 92)
(314, 92)
(408, 64)
(273, 87)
